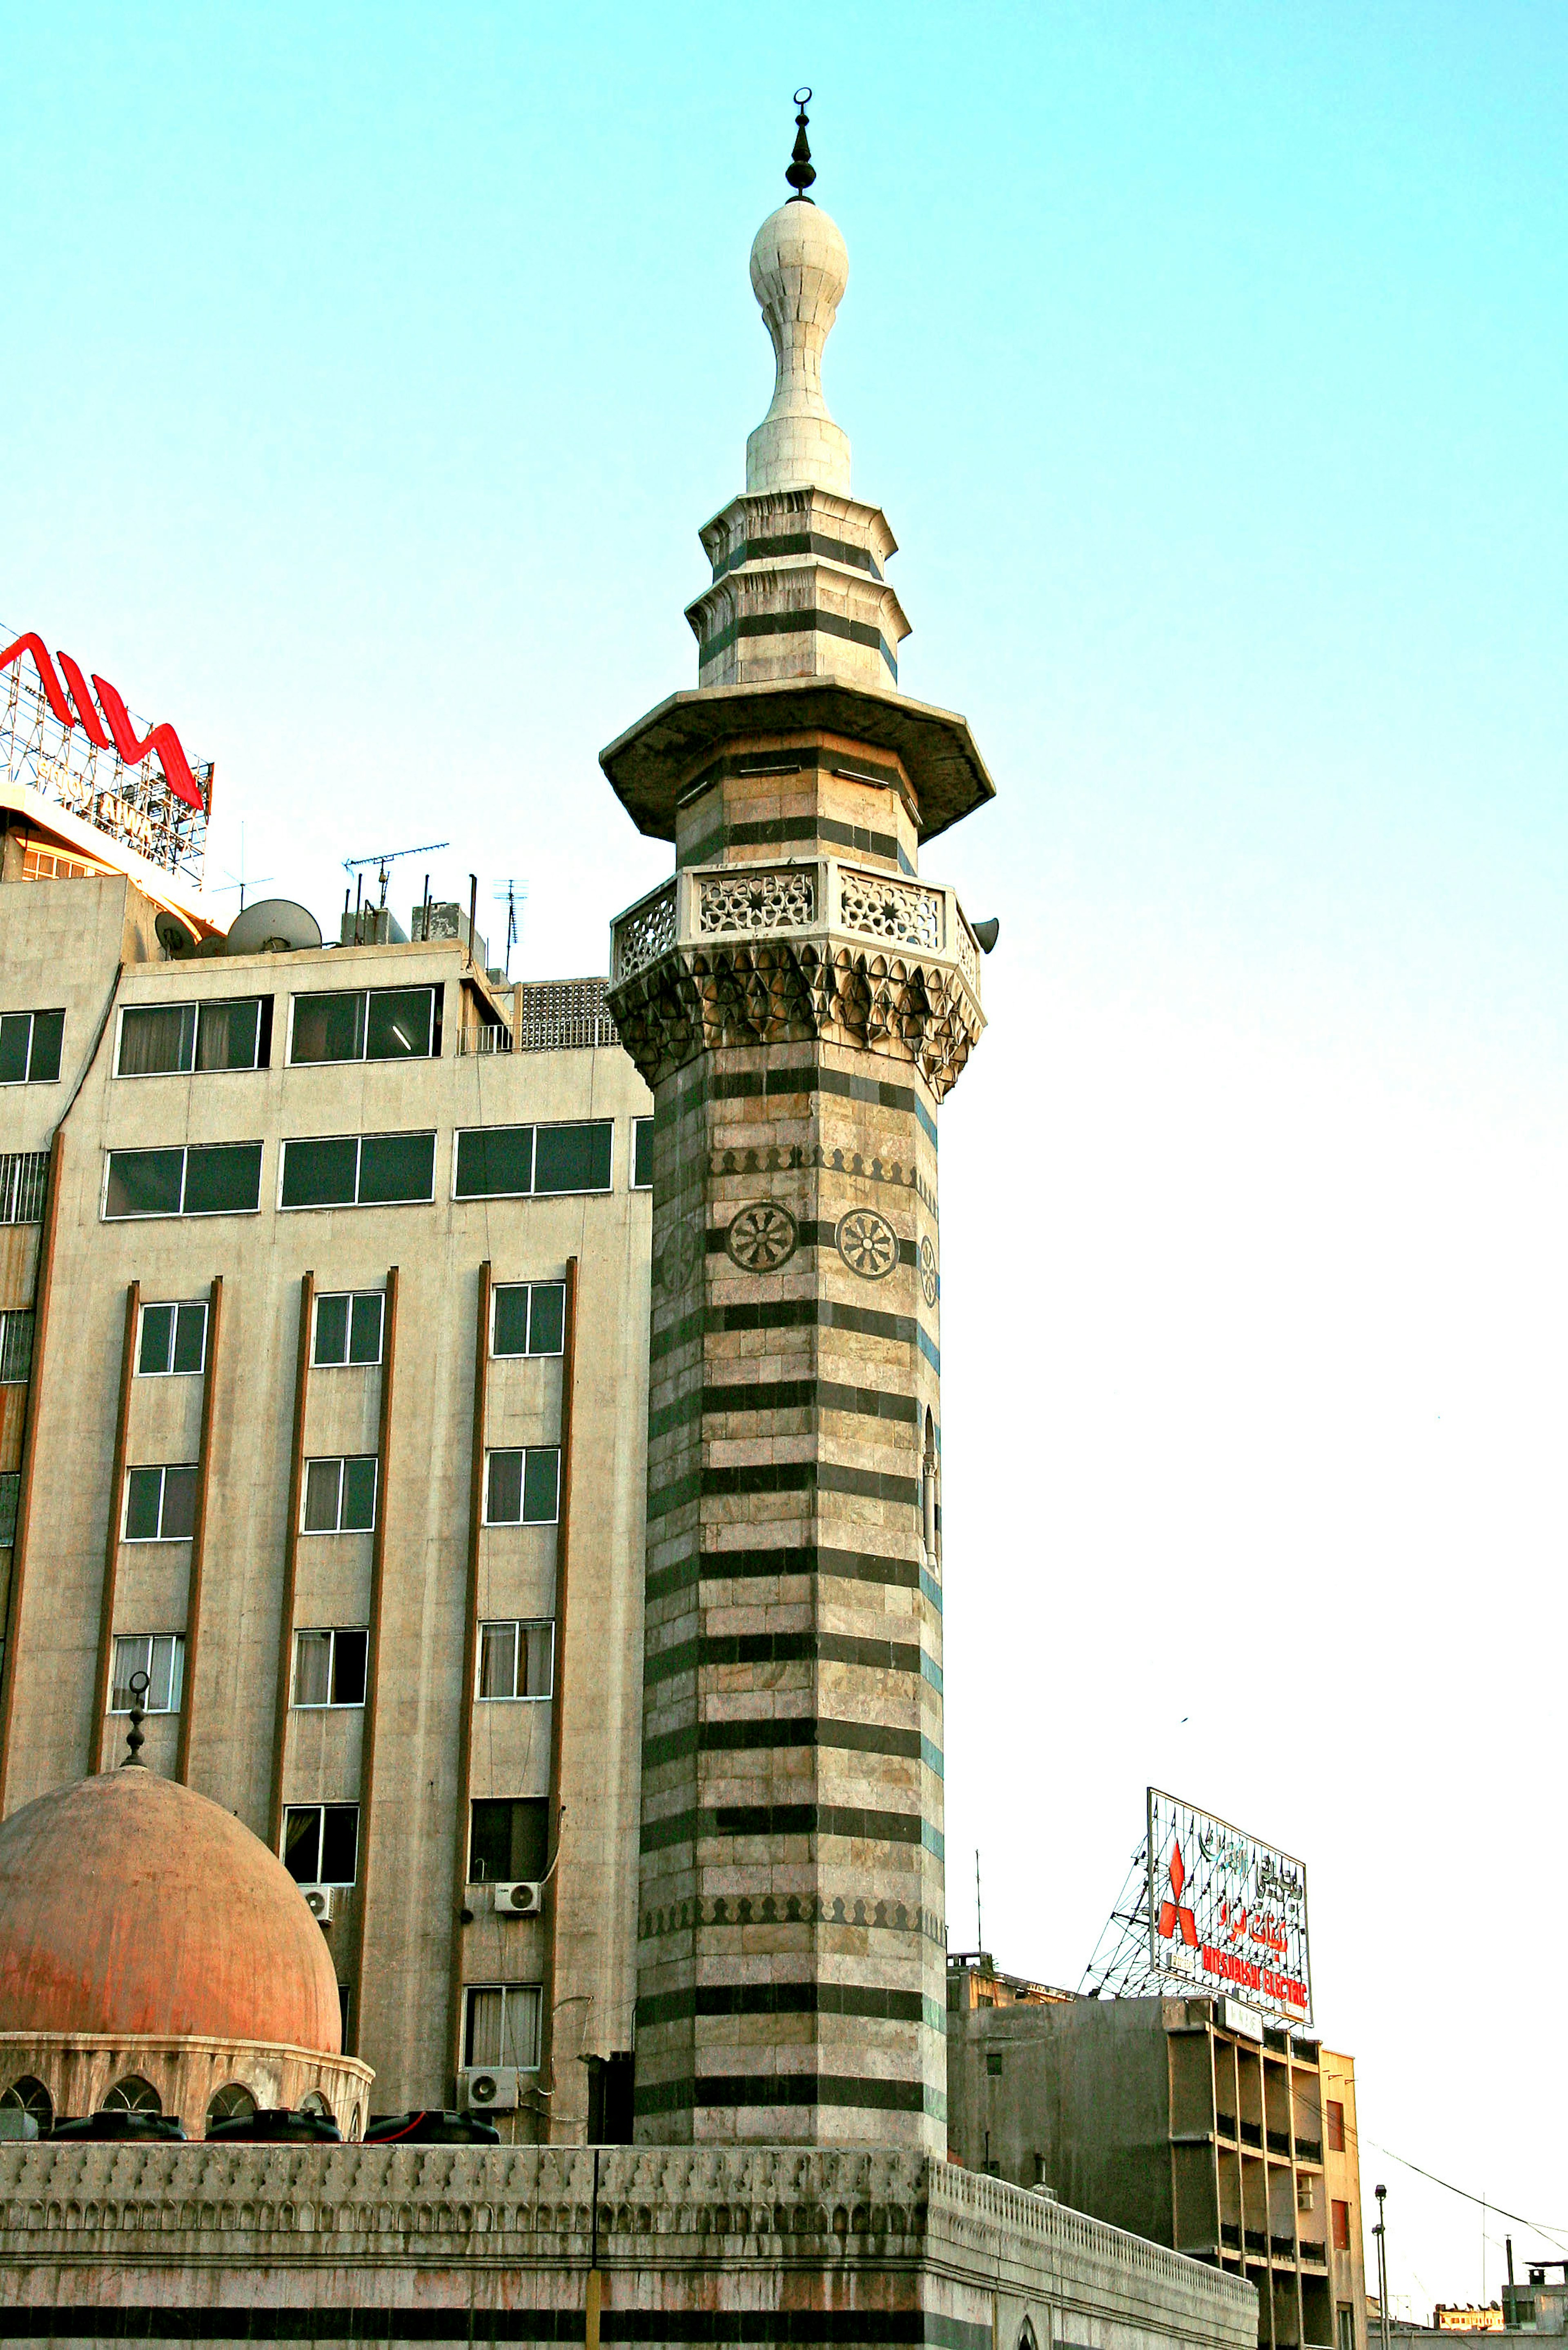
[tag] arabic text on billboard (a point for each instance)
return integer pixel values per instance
(1226, 1913)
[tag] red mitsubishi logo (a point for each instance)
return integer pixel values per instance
(1173, 1917)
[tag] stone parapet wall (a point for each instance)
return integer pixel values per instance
(694, 2244)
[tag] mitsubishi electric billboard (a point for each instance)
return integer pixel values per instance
(1226, 1913)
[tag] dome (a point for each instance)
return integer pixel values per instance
(131, 1905)
(799, 252)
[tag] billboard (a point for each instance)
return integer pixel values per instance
(1227, 1914)
(80, 747)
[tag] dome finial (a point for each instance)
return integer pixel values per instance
(802, 171)
(140, 1685)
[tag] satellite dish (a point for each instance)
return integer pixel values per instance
(176, 937)
(273, 926)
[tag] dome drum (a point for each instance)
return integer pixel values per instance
(79, 2070)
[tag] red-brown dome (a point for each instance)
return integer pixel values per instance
(128, 1904)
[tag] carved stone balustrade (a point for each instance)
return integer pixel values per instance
(805, 948)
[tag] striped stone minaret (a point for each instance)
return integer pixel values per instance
(800, 1002)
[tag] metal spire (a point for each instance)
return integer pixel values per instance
(801, 170)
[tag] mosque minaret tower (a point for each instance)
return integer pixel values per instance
(801, 1001)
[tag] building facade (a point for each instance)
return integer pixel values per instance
(1188, 2121)
(325, 1291)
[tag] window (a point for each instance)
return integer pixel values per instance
(30, 1047)
(340, 1495)
(321, 1842)
(161, 1504)
(161, 1657)
(500, 2025)
(1340, 2213)
(161, 1039)
(1335, 2112)
(212, 1178)
(384, 1024)
(1346, 2326)
(15, 1348)
(523, 1488)
(642, 1154)
(329, 1668)
(232, 2103)
(173, 1341)
(354, 1170)
(347, 1327)
(10, 1495)
(516, 1659)
(496, 1162)
(23, 1175)
(507, 1838)
(528, 1317)
(33, 2098)
(993, 2064)
(133, 2095)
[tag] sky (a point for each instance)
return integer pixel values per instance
(370, 373)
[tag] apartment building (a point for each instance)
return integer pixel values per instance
(1191, 2121)
(323, 1281)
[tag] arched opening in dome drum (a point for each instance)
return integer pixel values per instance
(133, 2096)
(232, 2103)
(316, 2104)
(33, 2098)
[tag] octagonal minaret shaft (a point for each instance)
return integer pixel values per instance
(800, 1002)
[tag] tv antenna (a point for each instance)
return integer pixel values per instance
(512, 895)
(387, 857)
(242, 881)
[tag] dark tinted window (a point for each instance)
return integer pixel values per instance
(156, 1038)
(143, 1495)
(16, 1035)
(10, 1494)
(348, 1654)
(48, 1030)
(642, 1153)
(398, 1028)
(190, 1338)
(547, 1317)
(320, 1174)
(573, 1158)
(328, 1028)
(144, 1182)
(179, 1520)
(223, 1178)
(229, 1034)
(508, 1840)
(495, 1161)
(358, 1494)
(396, 1167)
(511, 1327)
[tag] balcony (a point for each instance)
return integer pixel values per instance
(1280, 2142)
(1253, 2135)
(733, 955)
(1310, 2149)
(1226, 2125)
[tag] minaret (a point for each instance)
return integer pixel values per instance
(800, 1002)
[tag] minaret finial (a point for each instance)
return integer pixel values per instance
(140, 1685)
(801, 170)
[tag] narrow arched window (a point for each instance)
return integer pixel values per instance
(33, 2098)
(233, 2102)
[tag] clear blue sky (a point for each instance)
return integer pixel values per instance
(368, 375)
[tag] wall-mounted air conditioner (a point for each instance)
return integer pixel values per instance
(488, 2089)
(523, 1899)
(319, 1901)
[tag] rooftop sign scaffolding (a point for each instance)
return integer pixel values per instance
(129, 781)
(1208, 1907)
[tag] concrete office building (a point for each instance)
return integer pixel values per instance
(334, 1331)
(1189, 2121)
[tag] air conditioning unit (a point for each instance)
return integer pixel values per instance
(319, 1901)
(523, 1899)
(488, 2089)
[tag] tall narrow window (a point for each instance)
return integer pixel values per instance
(528, 1317)
(161, 1657)
(500, 2025)
(642, 1154)
(161, 1503)
(30, 1047)
(174, 1341)
(340, 1495)
(1334, 2116)
(523, 1488)
(10, 1496)
(347, 1327)
(15, 1348)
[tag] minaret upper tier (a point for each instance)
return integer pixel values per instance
(798, 587)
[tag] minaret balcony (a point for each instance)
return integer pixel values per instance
(748, 953)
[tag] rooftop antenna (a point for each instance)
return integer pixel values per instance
(242, 881)
(511, 894)
(140, 1685)
(387, 857)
